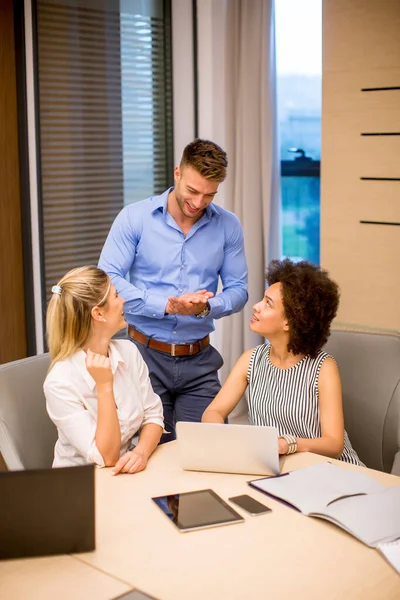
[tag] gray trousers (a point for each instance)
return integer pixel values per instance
(185, 384)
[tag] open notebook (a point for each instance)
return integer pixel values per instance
(391, 551)
(351, 500)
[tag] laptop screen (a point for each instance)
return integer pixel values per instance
(49, 511)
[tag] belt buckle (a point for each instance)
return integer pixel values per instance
(173, 349)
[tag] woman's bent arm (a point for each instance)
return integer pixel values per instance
(231, 392)
(108, 432)
(136, 460)
(331, 442)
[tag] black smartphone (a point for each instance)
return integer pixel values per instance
(253, 506)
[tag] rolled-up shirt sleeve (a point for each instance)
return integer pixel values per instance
(152, 405)
(73, 420)
(233, 274)
(116, 259)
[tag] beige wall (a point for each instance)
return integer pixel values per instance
(361, 49)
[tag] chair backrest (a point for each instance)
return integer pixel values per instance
(369, 365)
(27, 435)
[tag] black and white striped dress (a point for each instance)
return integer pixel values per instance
(288, 398)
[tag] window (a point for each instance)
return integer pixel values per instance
(146, 79)
(105, 119)
(299, 68)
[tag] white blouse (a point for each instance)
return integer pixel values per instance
(71, 402)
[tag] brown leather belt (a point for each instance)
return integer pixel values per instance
(171, 349)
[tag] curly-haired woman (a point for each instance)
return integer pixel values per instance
(293, 385)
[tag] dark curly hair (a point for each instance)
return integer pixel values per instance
(310, 301)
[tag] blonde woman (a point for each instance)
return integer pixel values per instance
(98, 391)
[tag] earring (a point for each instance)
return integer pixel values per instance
(105, 320)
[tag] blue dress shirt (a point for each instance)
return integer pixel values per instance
(146, 242)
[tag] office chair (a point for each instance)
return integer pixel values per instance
(27, 435)
(369, 365)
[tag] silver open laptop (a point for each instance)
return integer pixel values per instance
(247, 449)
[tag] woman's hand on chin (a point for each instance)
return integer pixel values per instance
(99, 367)
(131, 462)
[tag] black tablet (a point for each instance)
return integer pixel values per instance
(197, 510)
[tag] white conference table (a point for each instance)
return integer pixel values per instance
(280, 555)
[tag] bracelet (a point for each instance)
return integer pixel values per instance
(291, 442)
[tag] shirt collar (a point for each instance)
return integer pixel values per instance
(115, 357)
(80, 357)
(213, 209)
(160, 202)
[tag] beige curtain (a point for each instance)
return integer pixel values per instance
(238, 109)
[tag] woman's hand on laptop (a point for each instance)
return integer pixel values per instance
(131, 462)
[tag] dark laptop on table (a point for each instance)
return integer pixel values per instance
(49, 511)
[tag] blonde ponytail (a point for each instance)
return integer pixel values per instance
(69, 318)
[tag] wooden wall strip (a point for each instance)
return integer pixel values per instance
(378, 223)
(380, 178)
(383, 133)
(380, 89)
(12, 321)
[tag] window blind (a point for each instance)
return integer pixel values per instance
(105, 119)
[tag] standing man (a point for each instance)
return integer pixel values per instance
(175, 247)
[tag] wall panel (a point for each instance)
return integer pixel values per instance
(12, 314)
(361, 49)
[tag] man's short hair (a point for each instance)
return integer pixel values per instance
(207, 158)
